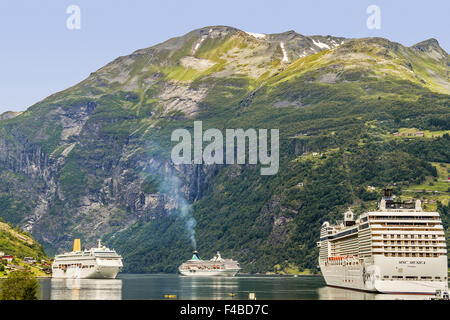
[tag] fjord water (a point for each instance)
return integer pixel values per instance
(156, 286)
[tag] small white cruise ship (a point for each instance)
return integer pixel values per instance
(399, 248)
(217, 266)
(95, 263)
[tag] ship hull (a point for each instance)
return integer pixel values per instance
(370, 278)
(213, 273)
(79, 273)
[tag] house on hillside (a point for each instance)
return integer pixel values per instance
(7, 258)
(14, 267)
(29, 260)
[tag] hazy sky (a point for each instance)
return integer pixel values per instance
(39, 55)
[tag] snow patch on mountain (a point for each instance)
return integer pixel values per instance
(321, 45)
(256, 35)
(197, 45)
(285, 57)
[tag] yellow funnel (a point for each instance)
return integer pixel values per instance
(76, 245)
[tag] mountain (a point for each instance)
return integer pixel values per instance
(94, 160)
(9, 115)
(19, 244)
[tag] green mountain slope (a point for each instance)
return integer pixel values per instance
(94, 160)
(19, 244)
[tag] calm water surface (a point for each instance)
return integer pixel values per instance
(155, 286)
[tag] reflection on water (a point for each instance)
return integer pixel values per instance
(330, 293)
(214, 288)
(156, 286)
(86, 289)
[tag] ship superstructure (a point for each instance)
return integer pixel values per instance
(399, 248)
(217, 266)
(95, 263)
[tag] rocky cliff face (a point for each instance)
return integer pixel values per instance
(94, 160)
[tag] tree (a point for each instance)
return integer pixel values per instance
(20, 285)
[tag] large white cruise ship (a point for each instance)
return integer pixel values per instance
(217, 266)
(95, 263)
(399, 248)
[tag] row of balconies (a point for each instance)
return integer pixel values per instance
(412, 254)
(414, 236)
(412, 243)
(397, 236)
(412, 218)
(407, 249)
(406, 227)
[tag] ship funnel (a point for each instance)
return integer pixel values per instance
(387, 194)
(387, 201)
(76, 245)
(195, 255)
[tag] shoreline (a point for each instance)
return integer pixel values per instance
(37, 277)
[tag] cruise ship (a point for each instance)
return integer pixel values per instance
(217, 266)
(398, 248)
(95, 263)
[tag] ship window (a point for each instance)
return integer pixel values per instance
(437, 278)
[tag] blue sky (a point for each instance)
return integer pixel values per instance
(39, 55)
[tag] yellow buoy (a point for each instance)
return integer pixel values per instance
(170, 296)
